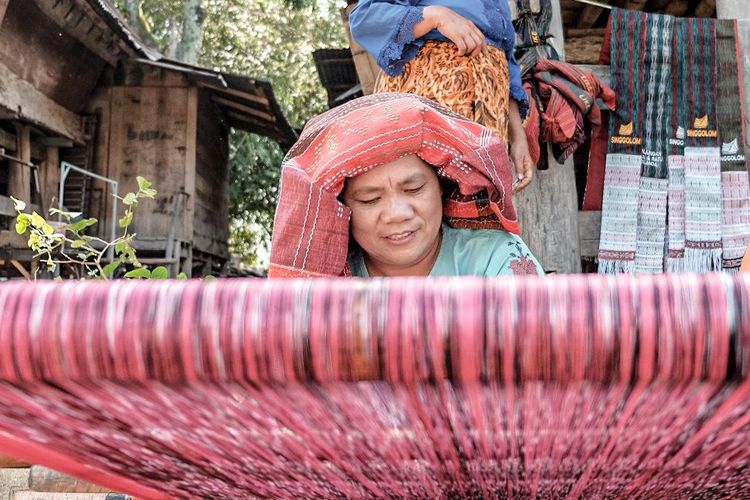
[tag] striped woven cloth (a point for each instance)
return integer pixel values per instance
(735, 190)
(559, 387)
(702, 154)
(617, 243)
(652, 193)
(693, 209)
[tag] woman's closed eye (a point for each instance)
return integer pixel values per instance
(414, 190)
(369, 201)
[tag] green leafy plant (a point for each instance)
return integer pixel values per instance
(65, 242)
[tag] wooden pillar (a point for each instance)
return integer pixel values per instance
(19, 182)
(556, 29)
(548, 208)
(548, 212)
(50, 179)
(733, 9)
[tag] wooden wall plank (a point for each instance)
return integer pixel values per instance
(147, 138)
(191, 151)
(26, 102)
(211, 207)
(548, 212)
(55, 63)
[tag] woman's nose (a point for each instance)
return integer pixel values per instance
(398, 208)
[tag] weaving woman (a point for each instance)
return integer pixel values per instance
(458, 52)
(394, 185)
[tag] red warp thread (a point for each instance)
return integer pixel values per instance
(558, 387)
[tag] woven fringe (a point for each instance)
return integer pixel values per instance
(702, 261)
(652, 225)
(616, 266)
(675, 265)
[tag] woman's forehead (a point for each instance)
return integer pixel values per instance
(401, 170)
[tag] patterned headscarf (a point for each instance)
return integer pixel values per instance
(311, 228)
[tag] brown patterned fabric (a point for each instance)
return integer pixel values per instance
(475, 87)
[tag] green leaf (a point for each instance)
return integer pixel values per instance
(22, 223)
(147, 193)
(37, 221)
(126, 219)
(110, 268)
(121, 246)
(138, 273)
(209, 277)
(182, 276)
(79, 226)
(143, 183)
(78, 244)
(19, 205)
(130, 199)
(160, 273)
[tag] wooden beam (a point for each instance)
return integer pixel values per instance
(19, 267)
(244, 109)
(50, 179)
(78, 24)
(3, 8)
(588, 16)
(27, 103)
(733, 9)
(19, 178)
(556, 29)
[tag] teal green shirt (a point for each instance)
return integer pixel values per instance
(472, 252)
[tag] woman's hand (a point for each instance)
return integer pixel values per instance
(463, 33)
(519, 149)
(521, 158)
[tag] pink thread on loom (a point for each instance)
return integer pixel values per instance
(570, 386)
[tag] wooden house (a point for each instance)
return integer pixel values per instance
(85, 102)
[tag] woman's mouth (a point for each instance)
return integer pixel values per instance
(399, 238)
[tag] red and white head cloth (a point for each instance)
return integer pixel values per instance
(311, 228)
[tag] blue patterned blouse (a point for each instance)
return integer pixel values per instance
(385, 28)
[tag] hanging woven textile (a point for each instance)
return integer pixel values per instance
(693, 197)
(652, 192)
(617, 244)
(559, 387)
(675, 258)
(735, 191)
(702, 154)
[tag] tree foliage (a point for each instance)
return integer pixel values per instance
(269, 39)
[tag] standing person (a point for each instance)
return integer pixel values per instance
(457, 52)
(397, 185)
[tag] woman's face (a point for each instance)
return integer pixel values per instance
(397, 210)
